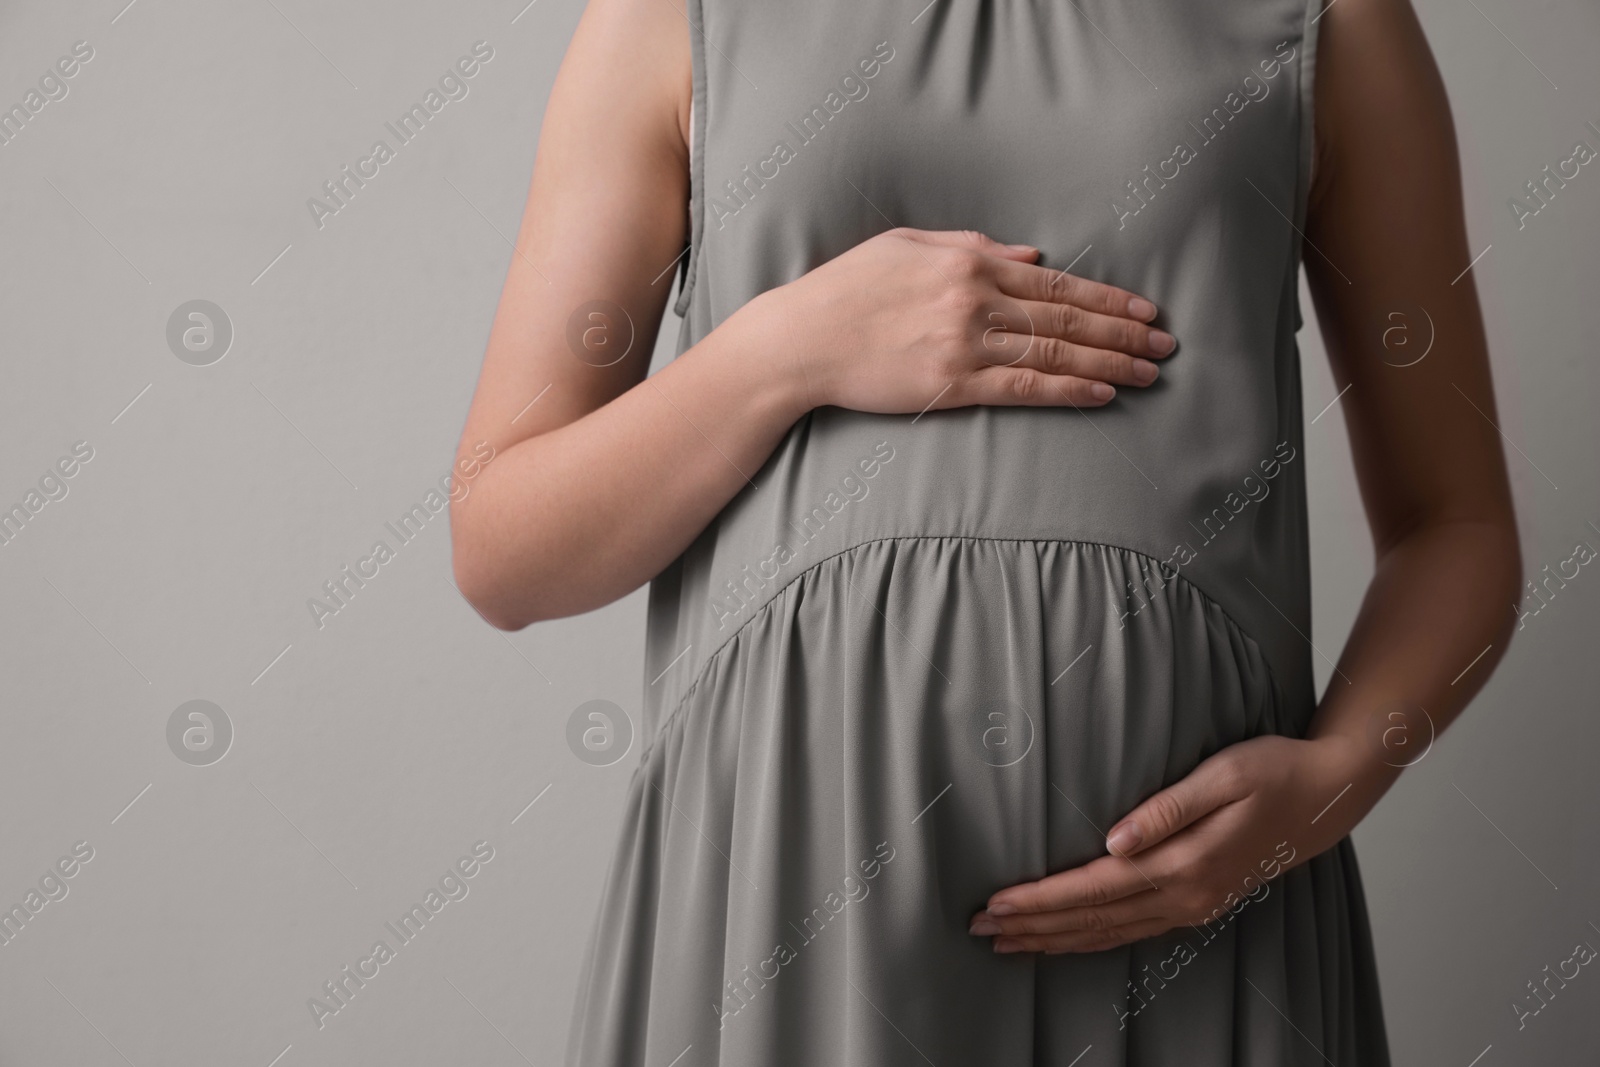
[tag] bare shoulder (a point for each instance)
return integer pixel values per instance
(631, 59)
(1378, 91)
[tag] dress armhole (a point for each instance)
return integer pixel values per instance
(697, 155)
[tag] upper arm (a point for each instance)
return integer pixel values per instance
(606, 217)
(1385, 253)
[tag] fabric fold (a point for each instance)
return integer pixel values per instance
(909, 726)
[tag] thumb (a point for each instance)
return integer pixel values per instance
(1205, 789)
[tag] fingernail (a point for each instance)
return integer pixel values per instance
(1123, 838)
(984, 927)
(1001, 909)
(1145, 371)
(1141, 309)
(1100, 391)
(1162, 342)
(1005, 944)
(1027, 248)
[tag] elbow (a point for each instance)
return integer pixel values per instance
(480, 592)
(487, 588)
(514, 583)
(1506, 555)
(1513, 575)
(1491, 565)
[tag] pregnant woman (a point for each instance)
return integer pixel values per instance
(980, 722)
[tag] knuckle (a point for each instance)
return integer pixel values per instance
(1101, 942)
(1068, 320)
(1166, 811)
(965, 264)
(1096, 894)
(968, 264)
(962, 298)
(1097, 922)
(1025, 385)
(1114, 367)
(1054, 355)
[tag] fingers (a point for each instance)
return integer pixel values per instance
(1208, 787)
(1147, 904)
(1026, 387)
(1084, 941)
(1027, 281)
(1061, 339)
(1018, 276)
(1053, 356)
(1095, 883)
(970, 239)
(1049, 338)
(1068, 322)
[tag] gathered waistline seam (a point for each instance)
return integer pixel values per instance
(716, 654)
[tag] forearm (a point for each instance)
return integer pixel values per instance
(1435, 620)
(574, 518)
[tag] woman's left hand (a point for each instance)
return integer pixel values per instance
(1195, 851)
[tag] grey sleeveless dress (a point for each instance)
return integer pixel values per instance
(922, 658)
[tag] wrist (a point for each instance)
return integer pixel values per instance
(763, 333)
(1349, 761)
(747, 357)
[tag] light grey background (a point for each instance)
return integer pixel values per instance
(370, 754)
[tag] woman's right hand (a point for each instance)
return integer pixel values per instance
(917, 320)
